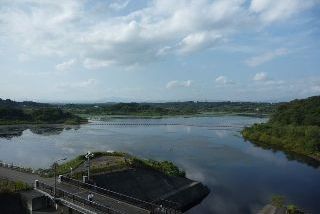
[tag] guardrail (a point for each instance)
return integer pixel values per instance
(75, 199)
(15, 167)
(154, 208)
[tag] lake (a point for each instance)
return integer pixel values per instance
(241, 176)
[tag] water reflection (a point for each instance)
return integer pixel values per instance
(9, 132)
(242, 177)
(290, 155)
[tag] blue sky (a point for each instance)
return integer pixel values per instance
(160, 50)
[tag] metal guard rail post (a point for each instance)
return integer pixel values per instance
(74, 198)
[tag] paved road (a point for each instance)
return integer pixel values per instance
(83, 193)
(22, 176)
(103, 200)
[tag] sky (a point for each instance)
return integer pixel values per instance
(159, 50)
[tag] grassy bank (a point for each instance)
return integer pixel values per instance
(120, 161)
(166, 167)
(7, 186)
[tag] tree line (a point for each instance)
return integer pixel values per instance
(294, 126)
(9, 115)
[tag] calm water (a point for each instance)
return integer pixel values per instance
(241, 176)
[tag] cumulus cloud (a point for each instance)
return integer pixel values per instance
(315, 86)
(271, 11)
(198, 41)
(264, 79)
(266, 57)
(179, 84)
(65, 66)
(96, 63)
(261, 77)
(223, 80)
(161, 27)
(69, 27)
(119, 4)
(78, 85)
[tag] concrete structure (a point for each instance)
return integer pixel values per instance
(71, 196)
(35, 200)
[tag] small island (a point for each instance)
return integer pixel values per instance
(293, 127)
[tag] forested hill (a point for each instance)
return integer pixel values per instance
(298, 112)
(14, 104)
(12, 112)
(32, 112)
(295, 126)
(172, 108)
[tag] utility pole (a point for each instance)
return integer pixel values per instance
(88, 156)
(55, 175)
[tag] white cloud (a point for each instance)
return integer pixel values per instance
(266, 57)
(92, 64)
(119, 4)
(315, 88)
(261, 77)
(78, 85)
(197, 41)
(71, 28)
(277, 10)
(223, 80)
(179, 84)
(40, 27)
(65, 66)
(315, 85)
(86, 83)
(67, 28)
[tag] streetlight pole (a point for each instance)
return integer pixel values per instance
(55, 175)
(88, 156)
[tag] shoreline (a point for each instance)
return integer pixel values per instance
(280, 148)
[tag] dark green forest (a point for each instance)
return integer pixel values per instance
(294, 126)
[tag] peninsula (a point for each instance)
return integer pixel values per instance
(12, 112)
(294, 127)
